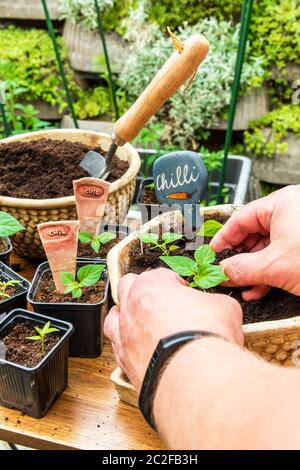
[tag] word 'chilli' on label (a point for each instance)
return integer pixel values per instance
(58, 232)
(91, 191)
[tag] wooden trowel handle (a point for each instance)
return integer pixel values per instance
(175, 72)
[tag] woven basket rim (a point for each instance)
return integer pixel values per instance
(67, 201)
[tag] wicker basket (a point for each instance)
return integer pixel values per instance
(31, 212)
(274, 341)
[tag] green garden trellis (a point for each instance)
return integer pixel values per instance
(4, 120)
(107, 61)
(61, 68)
(243, 37)
(59, 62)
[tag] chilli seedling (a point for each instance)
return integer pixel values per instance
(167, 245)
(87, 276)
(4, 286)
(9, 225)
(204, 274)
(96, 241)
(42, 333)
(209, 228)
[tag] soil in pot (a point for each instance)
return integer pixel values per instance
(86, 251)
(46, 168)
(277, 305)
(149, 196)
(3, 246)
(47, 293)
(23, 351)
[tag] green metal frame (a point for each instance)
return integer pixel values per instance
(59, 62)
(107, 61)
(4, 120)
(244, 31)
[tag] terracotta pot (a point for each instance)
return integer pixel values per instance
(272, 340)
(31, 212)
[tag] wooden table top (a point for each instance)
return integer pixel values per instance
(88, 415)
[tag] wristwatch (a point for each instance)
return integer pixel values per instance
(163, 352)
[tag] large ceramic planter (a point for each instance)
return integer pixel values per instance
(85, 47)
(280, 168)
(28, 9)
(249, 108)
(272, 340)
(31, 212)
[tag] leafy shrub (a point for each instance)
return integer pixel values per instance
(84, 13)
(27, 58)
(209, 95)
(282, 121)
(173, 12)
(275, 32)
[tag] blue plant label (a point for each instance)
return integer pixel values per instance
(180, 178)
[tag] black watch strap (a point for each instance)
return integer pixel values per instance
(164, 350)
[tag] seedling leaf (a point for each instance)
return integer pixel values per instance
(66, 278)
(209, 228)
(181, 265)
(85, 237)
(204, 255)
(9, 225)
(149, 238)
(90, 274)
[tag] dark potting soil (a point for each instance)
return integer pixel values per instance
(47, 293)
(46, 168)
(86, 251)
(277, 305)
(23, 351)
(149, 196)
(3, 246)
(11, 290)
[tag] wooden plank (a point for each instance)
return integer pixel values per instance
(88, 415)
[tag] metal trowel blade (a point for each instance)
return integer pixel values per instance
(94, 164)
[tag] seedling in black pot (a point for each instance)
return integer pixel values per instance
(9, 226)
(42, 334)
(13, 289)
(30, 380)
(87, 276)
(96, 241)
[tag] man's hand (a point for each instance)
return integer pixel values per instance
(156, 304)
(268, 228)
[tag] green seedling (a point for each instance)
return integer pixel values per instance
(150, 186)
(167, 245)
(209, 228)
(4, 286)
(87, 276)
(204, 273)
(96, 241)
(42, 333)
(9, 225)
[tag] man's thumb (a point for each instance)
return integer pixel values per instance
(248, 269)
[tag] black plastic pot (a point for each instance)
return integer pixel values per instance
(5, 256)
(19, 299)
(87, 319)
(33, 390)
(237, 181)
(122, 231)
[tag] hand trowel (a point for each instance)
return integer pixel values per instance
(175, 72)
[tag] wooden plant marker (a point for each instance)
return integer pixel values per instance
(91, 196)
(60, 242)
